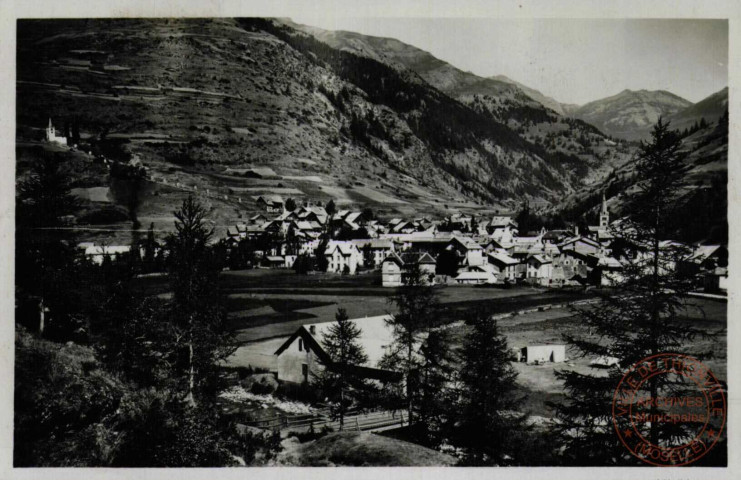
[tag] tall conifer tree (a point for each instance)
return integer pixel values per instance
(488, 397)
(197, 313)
(339, 380)
(639, 315)
(416, 301)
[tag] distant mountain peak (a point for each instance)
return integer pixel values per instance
(630, 114)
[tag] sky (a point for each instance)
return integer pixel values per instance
(573, 61)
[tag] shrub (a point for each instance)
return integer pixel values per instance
(259, 388)
(303, 392)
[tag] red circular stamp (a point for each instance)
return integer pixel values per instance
(669, 410)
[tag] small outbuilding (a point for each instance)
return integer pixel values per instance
(544, 353)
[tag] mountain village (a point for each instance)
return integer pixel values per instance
(479, 251)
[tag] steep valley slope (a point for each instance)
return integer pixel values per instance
(703, 204)
(200, 102)
(581, 149)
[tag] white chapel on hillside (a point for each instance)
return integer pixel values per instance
(51, 135)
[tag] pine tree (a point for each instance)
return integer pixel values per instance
(197, 314)
(416, 301)
(435, 392)
(339, 381)
(292, 242)
(447, 263)
(320, 260)
(290, 205)
(45, 248)
(488, 396)
(331, 210)
(474, 225)
(76, 131)
(369, 260)
(637, 317)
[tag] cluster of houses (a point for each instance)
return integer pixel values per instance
(489, 251)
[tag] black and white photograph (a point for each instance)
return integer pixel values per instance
(370, 241)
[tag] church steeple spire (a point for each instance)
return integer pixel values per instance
(604, 216)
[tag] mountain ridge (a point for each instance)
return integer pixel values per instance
(538, 96)
(710, 108)
(630, 114)
(582, 148)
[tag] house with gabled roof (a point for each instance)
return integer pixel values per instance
(271, 203)
(539, 270)
(499, 224)
(584, 245)
(313, 214)
(343, 257)
(403, 227)
(393, 266)
(302, 356)
(254, 231)
(258, 219)
(379, 249)
(492, 245)
(554, 237)
(709, 257)
(610, 271)
(503, 264)
(470, 252)
(573, 267)
(394, 221)
(232, 232)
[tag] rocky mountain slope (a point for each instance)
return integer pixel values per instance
(582, 149)
(710, 108)
(704, 191)
(630, 114)
(536, 95)
(193, 98)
